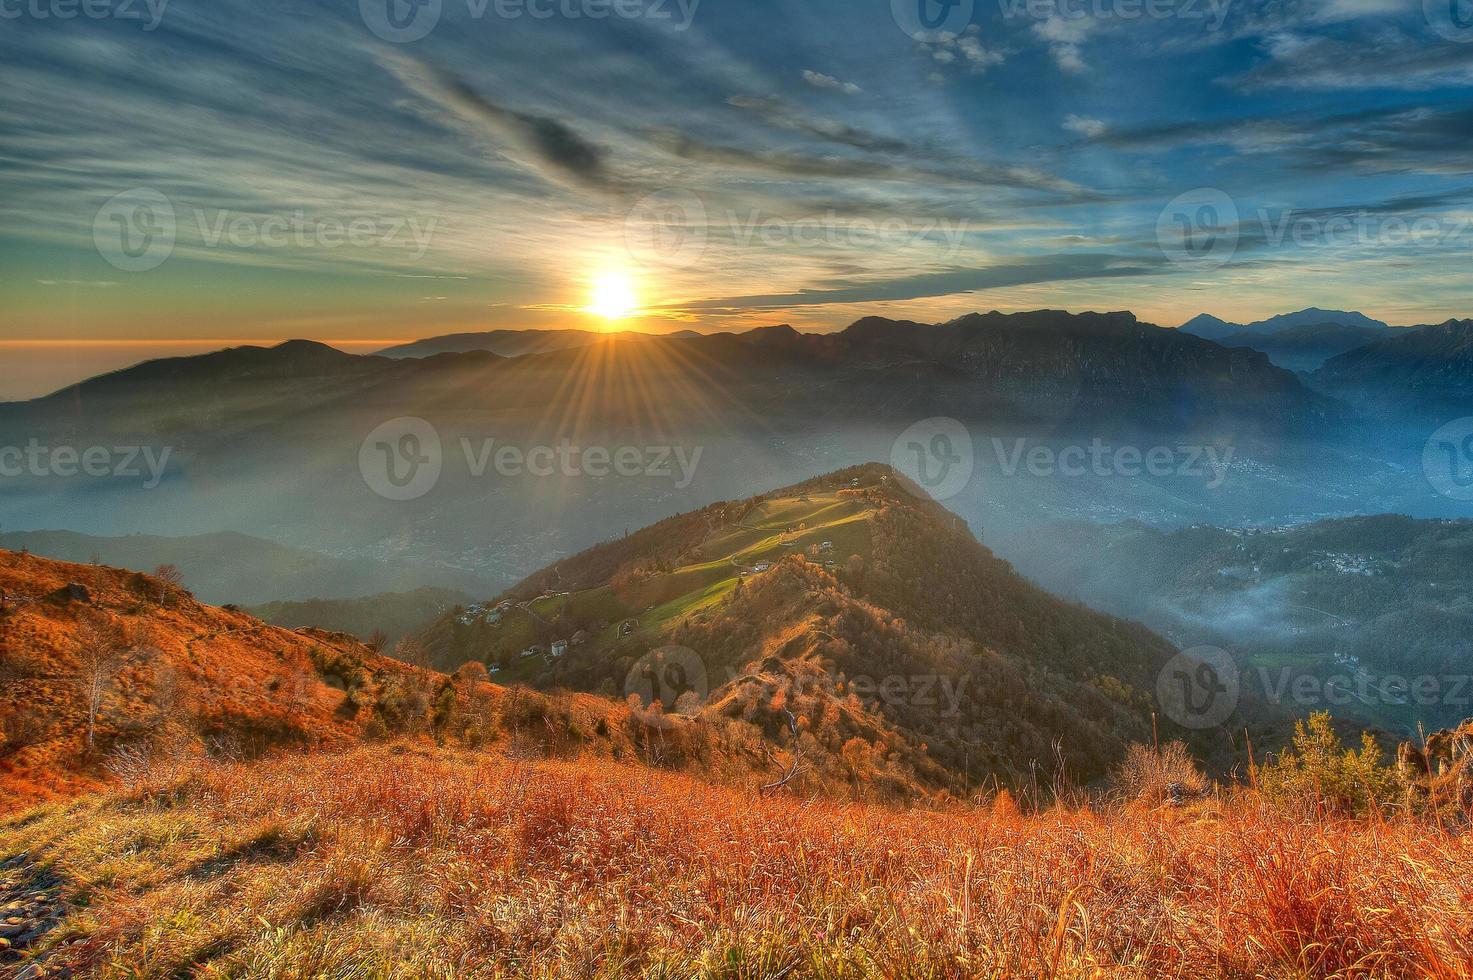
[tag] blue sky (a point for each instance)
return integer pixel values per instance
(728, 163)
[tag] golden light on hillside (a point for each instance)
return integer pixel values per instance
(613, 296)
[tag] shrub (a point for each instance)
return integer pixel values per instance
(1319, 772)
(1156, 776)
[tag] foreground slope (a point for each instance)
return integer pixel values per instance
(407, 861)
(105, 671)
(846, 616)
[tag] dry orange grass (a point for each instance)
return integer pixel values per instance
(409, 861)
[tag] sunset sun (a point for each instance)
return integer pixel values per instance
(613, 297)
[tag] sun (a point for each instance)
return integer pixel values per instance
(613, 297)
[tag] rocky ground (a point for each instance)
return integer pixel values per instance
(30, 906)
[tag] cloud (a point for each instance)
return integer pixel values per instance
(820, 80)
(1385, 58)
(1084, 125)
(802, 165)
(551, 146)
(779, 114)
(1043, 269)
(1384, 140)
(965, 49)
(1065, 35)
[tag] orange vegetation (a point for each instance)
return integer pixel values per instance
(408, 861)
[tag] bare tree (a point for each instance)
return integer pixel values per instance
(100, 647)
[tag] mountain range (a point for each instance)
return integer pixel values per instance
(512, 343)
(1085, 369)
(1427, 371)
(1299, 341)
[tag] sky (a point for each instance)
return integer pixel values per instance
(186, 174)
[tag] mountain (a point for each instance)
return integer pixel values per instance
(1215, 328)
(395, 615)
(517, 343)
(116, 677)
(846, 607)
(1043, 364)
(1299, 341)
(1421, 371)
(283, 443)
(1373, 598)
(1307, 346)
(239, 568)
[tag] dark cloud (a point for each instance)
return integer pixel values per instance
(551, 144)
(1044, 269)
(785, 164)
(778, 113)
(1397, 139)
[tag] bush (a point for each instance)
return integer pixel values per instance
(1160, 776)
(1319, 772)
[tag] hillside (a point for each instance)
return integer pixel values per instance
(1378, 598)
(1429, 369)
(239, 568)
(392, 615)
(845, 608)
(106, 672)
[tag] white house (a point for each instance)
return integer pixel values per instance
(559, 648)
